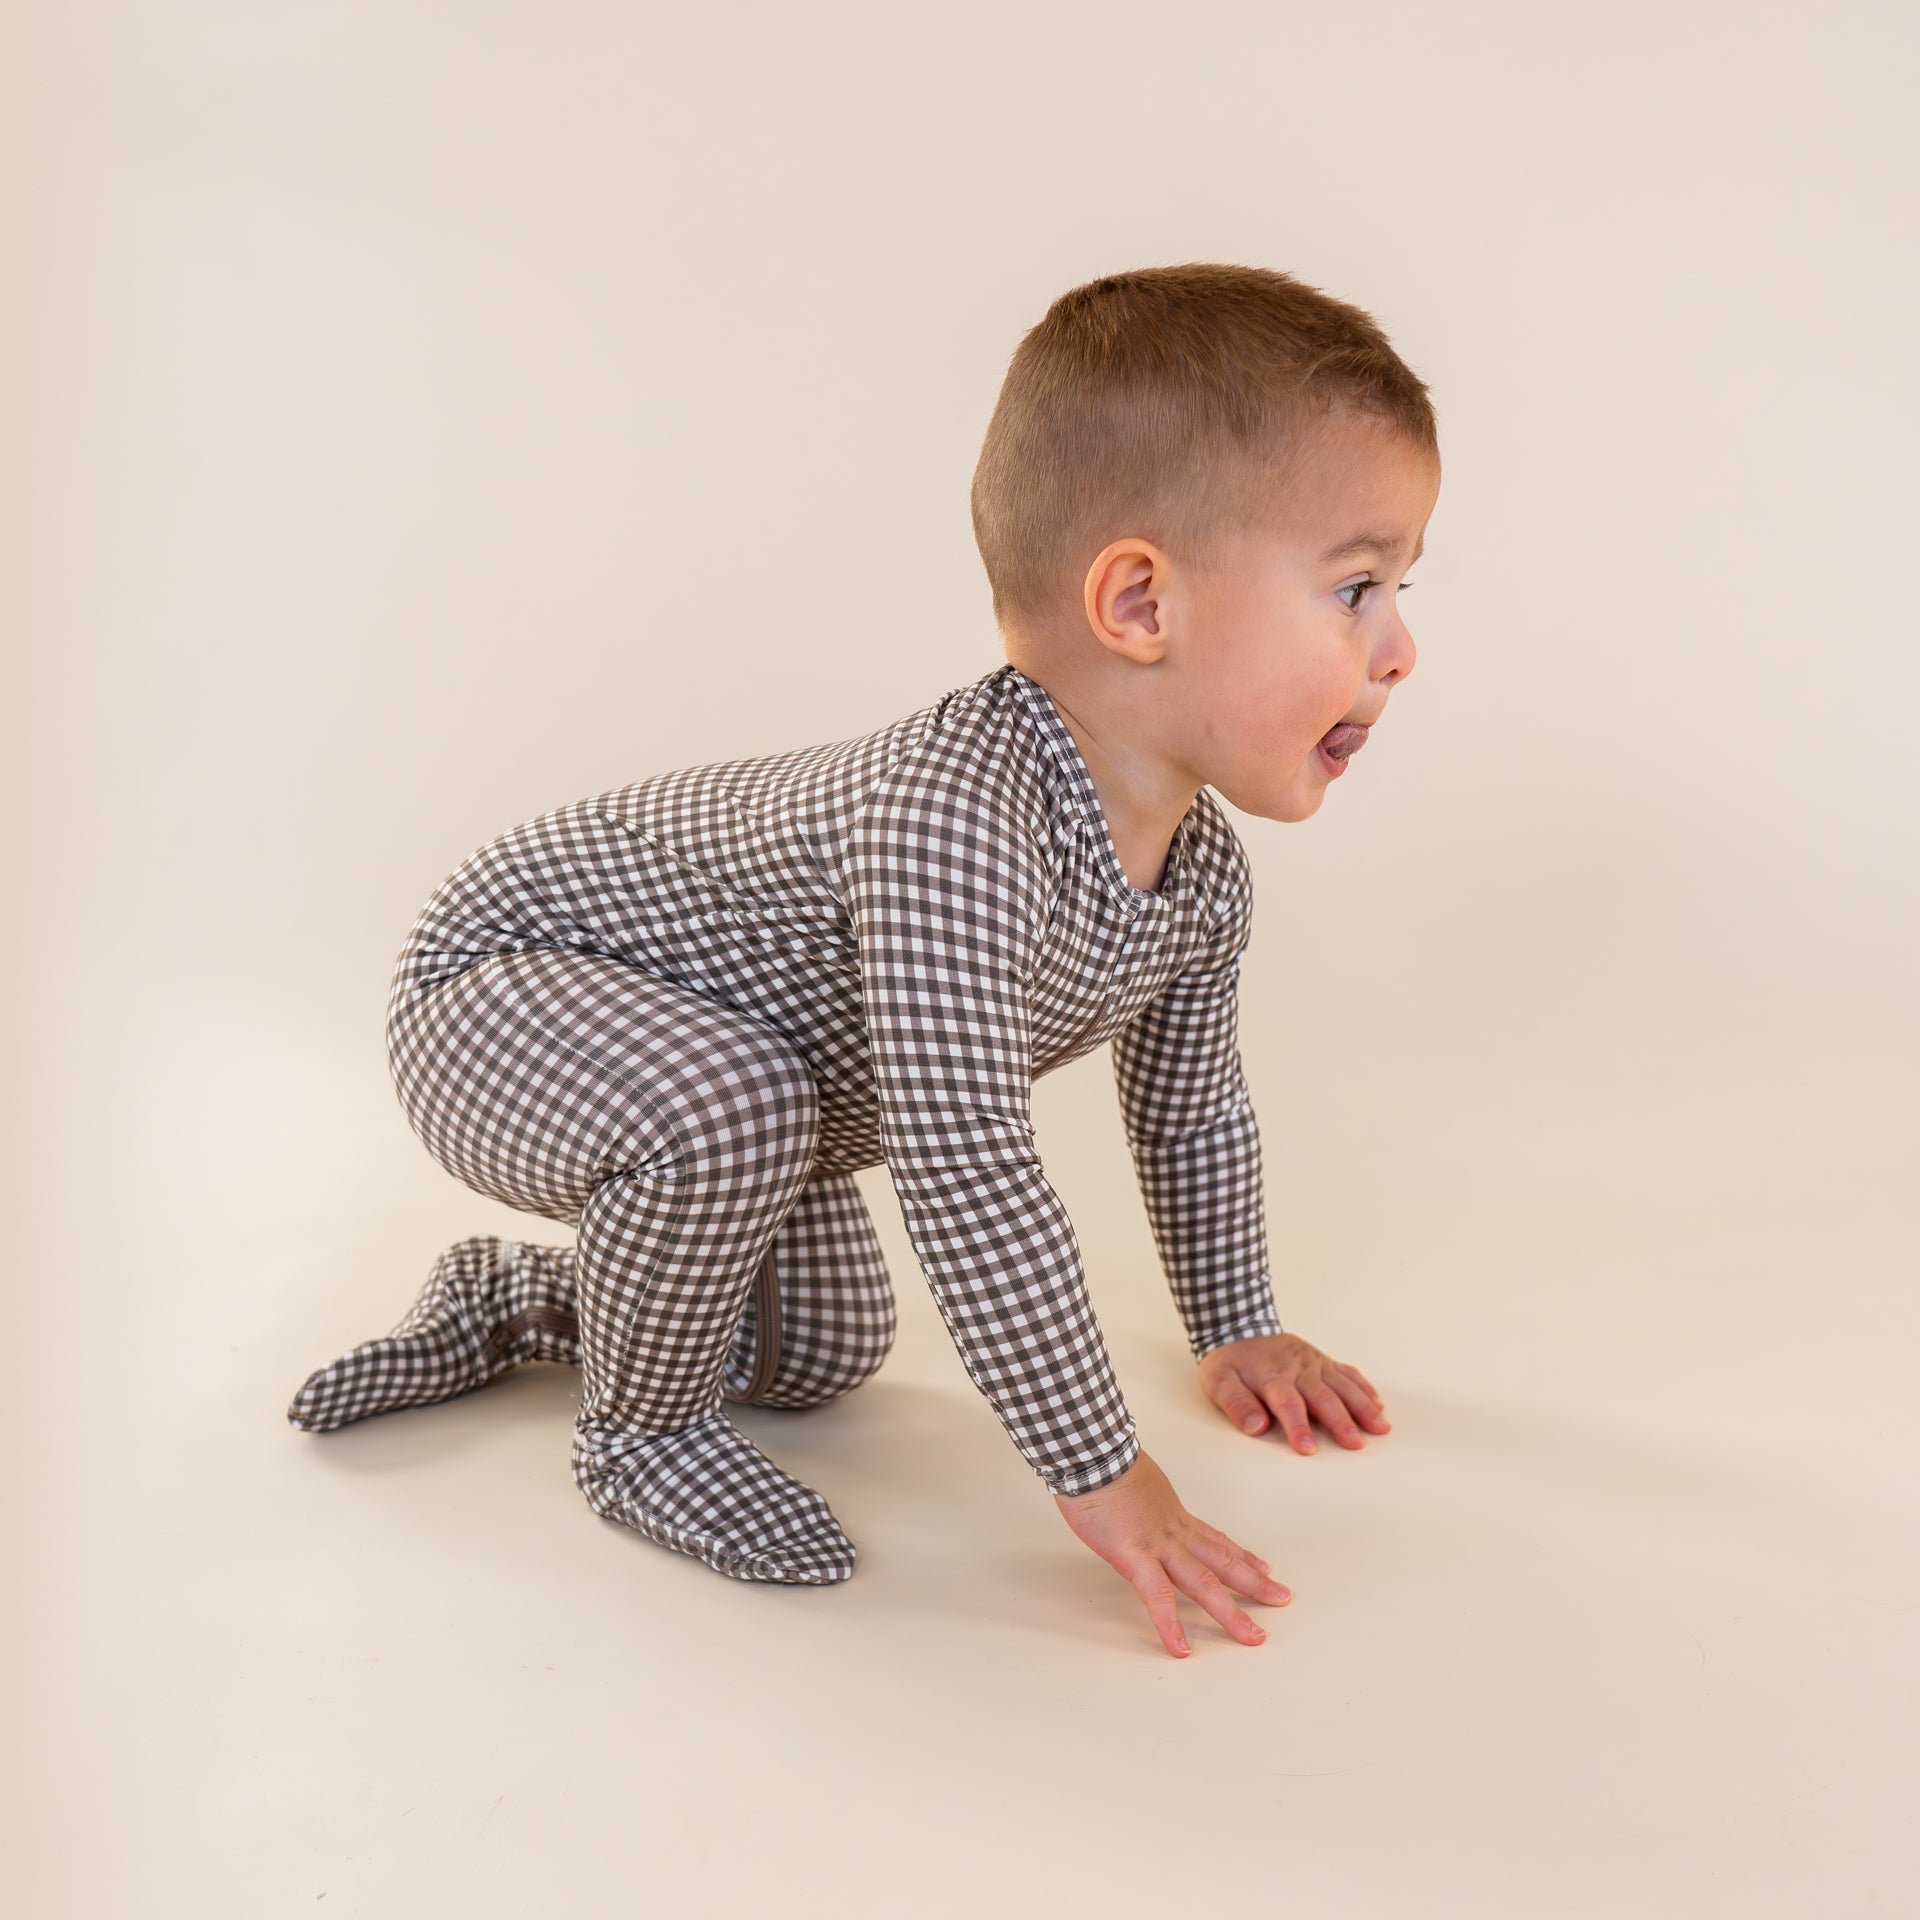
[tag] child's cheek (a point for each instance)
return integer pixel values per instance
(1278, 722)
(1281, 734)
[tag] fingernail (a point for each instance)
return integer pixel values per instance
(1251, 1423)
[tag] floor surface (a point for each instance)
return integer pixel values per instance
(1620, 1618)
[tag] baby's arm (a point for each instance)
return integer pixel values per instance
(948, 894)
(1196, 1147)
(1195, 1141)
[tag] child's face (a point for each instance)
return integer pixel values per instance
(1287, 641)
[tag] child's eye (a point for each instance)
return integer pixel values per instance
(1359, 588)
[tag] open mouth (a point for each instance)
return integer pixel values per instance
(1339, 744)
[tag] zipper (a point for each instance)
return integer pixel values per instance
(554, 1319)
(766, 1328)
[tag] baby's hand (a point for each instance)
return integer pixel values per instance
(1280, 1370)
(1137, 1525)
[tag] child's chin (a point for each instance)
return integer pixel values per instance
(1301, 801)
(1297, 799)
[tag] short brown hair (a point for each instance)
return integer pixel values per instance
(1173, 403)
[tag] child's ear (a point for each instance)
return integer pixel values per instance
(1125, 592)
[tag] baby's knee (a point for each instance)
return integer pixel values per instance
(757, 1107)
(811, 1373)
(817, 1390)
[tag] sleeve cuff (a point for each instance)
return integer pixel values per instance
(1090, 1479)
(1265, 1323)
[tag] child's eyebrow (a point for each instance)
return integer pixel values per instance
(1370, 543)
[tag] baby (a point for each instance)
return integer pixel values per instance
(680, 1016)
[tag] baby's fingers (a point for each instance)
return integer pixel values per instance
(1150, 1582)
(1199, 1582)
(1238, 1402)
(1246, 1573)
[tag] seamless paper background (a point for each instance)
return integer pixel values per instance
(425, 416)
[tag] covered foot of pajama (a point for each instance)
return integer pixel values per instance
(489, 1305)
(708, 1491)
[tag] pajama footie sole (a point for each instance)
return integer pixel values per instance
(708, 1491)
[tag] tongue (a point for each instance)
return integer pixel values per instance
(1343, 740)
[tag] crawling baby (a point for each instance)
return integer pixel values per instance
(681, 1015)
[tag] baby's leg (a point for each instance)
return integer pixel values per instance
(834, 1305)
(490, 1305)
(678, 1132)
(712, 1161)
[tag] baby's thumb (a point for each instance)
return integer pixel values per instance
(1239, 1402)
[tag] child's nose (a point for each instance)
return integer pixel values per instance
(1397, 654)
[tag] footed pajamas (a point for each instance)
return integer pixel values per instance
(681, 1015)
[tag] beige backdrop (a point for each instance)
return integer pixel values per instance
(428, 415)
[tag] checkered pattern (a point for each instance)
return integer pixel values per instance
(490, 1305)
(672, 1011)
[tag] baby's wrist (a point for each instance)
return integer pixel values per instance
(1261, 1327)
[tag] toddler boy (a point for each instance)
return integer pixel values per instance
(681, 1015)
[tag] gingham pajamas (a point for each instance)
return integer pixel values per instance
(682, 1014)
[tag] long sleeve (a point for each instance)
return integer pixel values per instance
(948, 890)
(1195, 1141)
